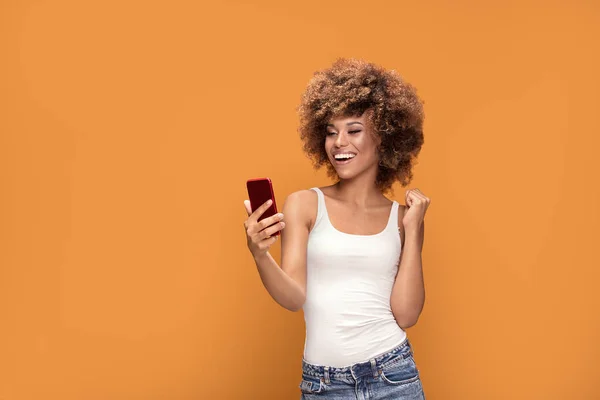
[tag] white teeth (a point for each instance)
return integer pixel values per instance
(344, 156)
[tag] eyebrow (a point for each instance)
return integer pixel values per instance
(348, 124)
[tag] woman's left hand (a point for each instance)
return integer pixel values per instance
(417, 204)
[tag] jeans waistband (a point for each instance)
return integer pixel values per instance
(372, 366)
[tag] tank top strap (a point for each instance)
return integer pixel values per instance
(393, 221)
(321, 209)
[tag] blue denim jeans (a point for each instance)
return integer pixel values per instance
(389, 376)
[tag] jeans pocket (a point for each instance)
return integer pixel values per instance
(401, 371)
(311, 384)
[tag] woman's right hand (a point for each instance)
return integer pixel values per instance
(260, 234)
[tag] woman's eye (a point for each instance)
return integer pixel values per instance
(330, 133)
(353, 131)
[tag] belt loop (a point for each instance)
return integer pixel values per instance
(374, 368)
(326, 373)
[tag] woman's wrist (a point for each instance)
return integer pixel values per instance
(260, 257)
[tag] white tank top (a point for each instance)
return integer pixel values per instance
(349, 283)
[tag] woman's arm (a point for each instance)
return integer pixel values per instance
(408, 293)
(287, 285)
(287, 292)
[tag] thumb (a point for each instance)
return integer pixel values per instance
(248, 207)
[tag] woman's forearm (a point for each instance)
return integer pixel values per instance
(408, 293)
(283, 289)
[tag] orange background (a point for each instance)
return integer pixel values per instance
(128, 130)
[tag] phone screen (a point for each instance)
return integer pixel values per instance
(260, 190)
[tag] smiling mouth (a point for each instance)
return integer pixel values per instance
(341, 159)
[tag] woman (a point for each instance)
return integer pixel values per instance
(350, 257)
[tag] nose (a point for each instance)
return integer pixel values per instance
(341, 140)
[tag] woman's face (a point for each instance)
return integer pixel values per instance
(351, 146)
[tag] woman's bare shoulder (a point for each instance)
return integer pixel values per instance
(298, 198)
(302, 205)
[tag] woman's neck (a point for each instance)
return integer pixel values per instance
(360, 191)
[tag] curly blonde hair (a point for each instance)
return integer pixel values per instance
(349, 88)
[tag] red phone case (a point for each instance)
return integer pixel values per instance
(260, 190)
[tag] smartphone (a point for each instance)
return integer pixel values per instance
(260, 190)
